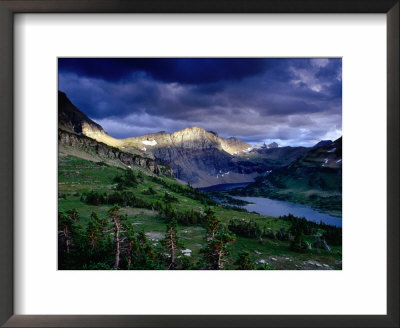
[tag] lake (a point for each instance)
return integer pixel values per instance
(275, 207)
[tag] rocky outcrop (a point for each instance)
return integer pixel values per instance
(322, 143)
(72, 119)
(73, 142)
(321, 244)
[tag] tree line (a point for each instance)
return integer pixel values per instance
(300, 228)
(110, 243)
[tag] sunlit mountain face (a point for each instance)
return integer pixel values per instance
(295, 102)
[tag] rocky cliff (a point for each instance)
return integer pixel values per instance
(72, 119)
(70, 143)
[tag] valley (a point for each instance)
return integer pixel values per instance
(314, 178)
(123, 202)
(267, 249)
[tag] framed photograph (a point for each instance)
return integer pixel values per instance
(202, 164)
(235, 177)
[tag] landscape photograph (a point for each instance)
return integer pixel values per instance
(199, 163)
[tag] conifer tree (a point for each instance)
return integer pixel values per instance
(172, 244)
(73, 214)
(116, 220)
(71, 248)
(212, 224)
(244, 262)
(144, 256)
(65, 227)
(215, 252)
(298, 244)
(96, 231)
(128, 244)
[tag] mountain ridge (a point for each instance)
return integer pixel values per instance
(314, 178)
(198, 157)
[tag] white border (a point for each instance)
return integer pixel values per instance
(360, 288)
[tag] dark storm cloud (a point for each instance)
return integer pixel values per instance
(182, 70)
(293, 101)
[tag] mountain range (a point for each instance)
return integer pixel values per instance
(193, 155)
(313, 178)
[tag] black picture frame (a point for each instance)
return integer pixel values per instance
(10, 7)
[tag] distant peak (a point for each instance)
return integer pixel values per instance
(322, 143)
(338, 140)
(195, 128)
(192, 129)
(70, 118)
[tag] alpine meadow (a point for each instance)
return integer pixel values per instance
(199, 164)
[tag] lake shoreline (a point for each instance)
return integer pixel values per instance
(273, 207)
(270, 206)
(224, 186)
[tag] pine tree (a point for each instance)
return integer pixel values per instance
(298, 244)
(144, 256)
(212, 224)
(215, 252)
(221, 239)
(73, 214)
(244, 262)
(116, 219)
(128, 244)
(172, 244)
(65, 227)
(96, 231)
(71, 240)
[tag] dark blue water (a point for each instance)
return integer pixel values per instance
(225, 186)
(274, 207)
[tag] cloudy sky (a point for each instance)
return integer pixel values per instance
(290, 101)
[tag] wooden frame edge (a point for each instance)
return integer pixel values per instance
(6, 164)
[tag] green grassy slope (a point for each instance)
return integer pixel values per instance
(315, 179)
(78, 177)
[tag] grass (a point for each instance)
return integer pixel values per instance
(78, 176)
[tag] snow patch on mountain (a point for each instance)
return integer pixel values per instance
(221, 174)
(263, 145)
(149, 143)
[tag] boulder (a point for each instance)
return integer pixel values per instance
(321, 244)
